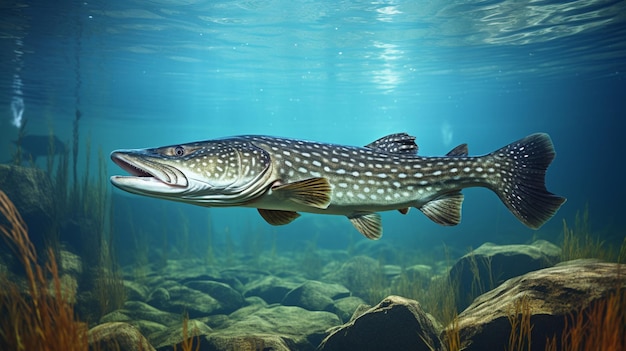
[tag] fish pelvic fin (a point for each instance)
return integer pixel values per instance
(278, 217)
(368, 224)
(522, 187)
(444, 210)
(314, 192)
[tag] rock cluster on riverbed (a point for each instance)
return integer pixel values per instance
(250, 309)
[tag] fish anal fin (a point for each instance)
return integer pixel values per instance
(404, 210)
(314, 192)
(398, 143)
(444, 210)
(460, 150)
(277, 217)
(368, 224)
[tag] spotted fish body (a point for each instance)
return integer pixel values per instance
(281, 177)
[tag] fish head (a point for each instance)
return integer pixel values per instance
(225, 172)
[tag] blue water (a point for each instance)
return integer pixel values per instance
(486, 73)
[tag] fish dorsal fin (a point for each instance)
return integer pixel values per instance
(398, 143)
(277, 217)
(368, 224)
(444, 210)
(314, 192)
(460, 150)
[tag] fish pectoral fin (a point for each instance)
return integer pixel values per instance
(277, 217)
(314, 192)
(368, 224)
(444, 210)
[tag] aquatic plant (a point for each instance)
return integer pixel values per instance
(365, 278)
(452, 335)
(440, 299)
(229, 247)
(109, 286)
(189, 339)
(310, 260)
(408, 286)
(182, 236)
(209, 254)
(521, 327)
(481, 268)
(42, 320)
(141, 264)
(75, 143)
(95, 197)
(253, 242)
(437, 295)
(51, 151)
(621, 258)
(579, 242)
(60, 184)
(602, 326)
(273, 246)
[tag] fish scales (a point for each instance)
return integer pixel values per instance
(369, 178)
(282, 177)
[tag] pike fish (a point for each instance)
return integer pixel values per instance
(281, 177)
(34, 146)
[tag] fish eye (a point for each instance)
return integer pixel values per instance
(179, 151)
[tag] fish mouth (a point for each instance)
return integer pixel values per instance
(147, 174)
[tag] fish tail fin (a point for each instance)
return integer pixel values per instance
(522, 186)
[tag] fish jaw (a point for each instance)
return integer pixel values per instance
(147, 175)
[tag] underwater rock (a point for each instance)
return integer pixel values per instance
(184, 299)
(135, 291)
(391, 270)
(80, 234)
(148, 327)
(70, 263)
(550, 294)
(255, 303)
(116, 316)
(357, 274)
(247, 342)
(419, 271)
(228, 298)
(396, 323)
(173, 336)
(184, 270)
(315, 296)
(70, 269)
(215, 320)
(244, 274)
(117, 336)
(270, 288)
(345, 307)
(137, 310)
(31, 192)
(489, 265)
(359, 311)
(159, 297)
(384, 251)
(301, 328)
(417, 275)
